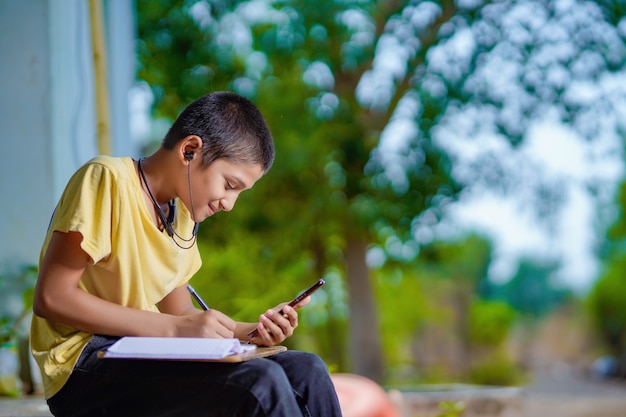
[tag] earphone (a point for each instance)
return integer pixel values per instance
(188, 155)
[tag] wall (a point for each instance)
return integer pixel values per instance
(47, 110)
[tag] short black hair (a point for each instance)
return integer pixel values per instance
(230, 126)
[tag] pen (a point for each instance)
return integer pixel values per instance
(199, 299)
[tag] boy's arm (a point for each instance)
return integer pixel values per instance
(58, 298)
(178, 302)
(272, 327)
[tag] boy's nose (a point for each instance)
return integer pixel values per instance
(228, 203)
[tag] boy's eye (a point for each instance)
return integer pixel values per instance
(229, 187)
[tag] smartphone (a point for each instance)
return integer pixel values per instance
(304, 294)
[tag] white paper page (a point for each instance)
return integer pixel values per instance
(175, 348)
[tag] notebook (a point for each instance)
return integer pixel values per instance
(186, 349)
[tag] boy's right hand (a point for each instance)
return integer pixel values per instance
(211, 323)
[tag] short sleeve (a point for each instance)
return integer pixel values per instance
(87, 207)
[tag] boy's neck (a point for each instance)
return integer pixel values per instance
(159, 174)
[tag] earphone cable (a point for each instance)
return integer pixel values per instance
(166, 224)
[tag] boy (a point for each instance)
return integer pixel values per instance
(116, 261)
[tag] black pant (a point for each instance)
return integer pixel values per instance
(288, 384)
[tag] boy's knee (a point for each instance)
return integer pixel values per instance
(304, 366)
(313, 363)
(268, 372)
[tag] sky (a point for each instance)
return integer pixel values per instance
(574, 229)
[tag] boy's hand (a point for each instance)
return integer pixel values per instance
(277, 324)
(211, 323)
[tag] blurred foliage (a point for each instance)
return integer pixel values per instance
(16, 301)
(497, 370)
(407, 304)
(616, 236)
(436, 327)
(174, 57)
(450, 409)
(607, 300)
(334, 197)
(490, 322)
(328, 190)
(532, 291)
(7, 332)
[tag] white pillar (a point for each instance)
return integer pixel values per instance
(47, 111)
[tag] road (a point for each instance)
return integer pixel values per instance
(570, 393)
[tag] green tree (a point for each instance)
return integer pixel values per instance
(490, 323)
(607, 299)
(328, 177)
(361, 97)
(466, 264)
(533, 291)
(607, 304)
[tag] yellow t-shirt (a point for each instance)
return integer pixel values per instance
(134, 263)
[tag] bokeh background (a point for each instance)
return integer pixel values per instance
(453, 169)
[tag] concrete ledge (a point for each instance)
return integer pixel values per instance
(478, 401)
(32, 406)
(423, 401)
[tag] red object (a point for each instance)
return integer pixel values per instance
(362, 397)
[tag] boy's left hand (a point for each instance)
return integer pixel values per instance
(273, 328)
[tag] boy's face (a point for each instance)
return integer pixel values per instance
(217, 187)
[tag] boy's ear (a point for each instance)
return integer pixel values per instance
(189, 146)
